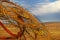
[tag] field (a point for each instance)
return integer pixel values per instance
(54, 29)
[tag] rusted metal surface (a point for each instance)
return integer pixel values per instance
(5, 0)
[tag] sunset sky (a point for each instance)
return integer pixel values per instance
(44, 10)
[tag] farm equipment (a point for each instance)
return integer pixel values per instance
(16, 23)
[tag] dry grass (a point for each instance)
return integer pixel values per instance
(54, 29)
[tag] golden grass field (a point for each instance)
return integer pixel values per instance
(54, 29)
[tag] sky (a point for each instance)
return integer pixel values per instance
(44, 10)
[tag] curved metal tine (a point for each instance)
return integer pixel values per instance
(11, 20)
(29, 33)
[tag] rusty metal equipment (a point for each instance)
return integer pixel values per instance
(16, 23)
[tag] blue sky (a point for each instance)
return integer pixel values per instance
(44, 10)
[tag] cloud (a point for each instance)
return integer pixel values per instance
(41, 8)
(58, 0)
(46, 8)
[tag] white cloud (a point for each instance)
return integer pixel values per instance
(11, 0)
(42, 8)
(46, 9)
(58, 0)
